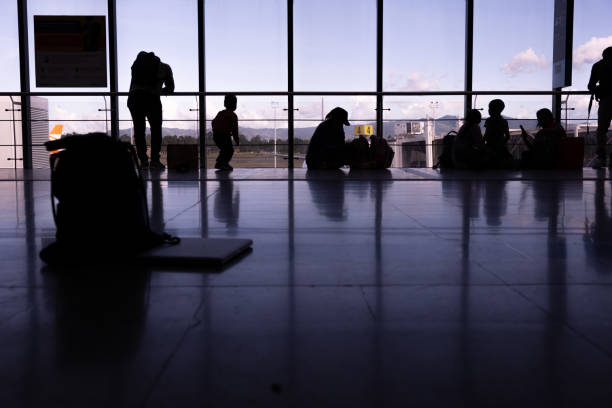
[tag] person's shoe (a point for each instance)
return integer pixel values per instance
(157, 165)
(228, 167)
(218, 166)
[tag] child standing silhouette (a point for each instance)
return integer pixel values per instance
(225, 127)
(497, 134)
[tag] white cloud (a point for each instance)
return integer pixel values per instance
(591, 50)
(419, 110)
(525, 61)
(413, 81)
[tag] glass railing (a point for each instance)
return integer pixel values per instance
(414, 123)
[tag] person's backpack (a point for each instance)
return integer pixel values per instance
(145, 68)
(445, 160)
(382, 153)
(98, 200)
(359, 155)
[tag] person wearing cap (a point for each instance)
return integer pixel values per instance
(326, 149)
(600, 84)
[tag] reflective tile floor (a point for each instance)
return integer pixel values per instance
(362, 289)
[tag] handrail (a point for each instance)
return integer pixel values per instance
(308, 93)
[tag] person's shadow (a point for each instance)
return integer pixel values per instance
(227, 203)
(327, 192)
(598, 231)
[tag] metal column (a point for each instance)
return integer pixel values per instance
(379, 67)
(112, 63)
(563, 38)
(290, 105)
(24, 77)
(202, 82)
(469, 53)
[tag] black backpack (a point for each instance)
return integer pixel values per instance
(101, 212)
(445, 160)
(145, 68)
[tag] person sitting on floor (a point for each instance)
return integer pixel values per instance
(543, 148)
(469, 148)
(497, 135)
(327, 149)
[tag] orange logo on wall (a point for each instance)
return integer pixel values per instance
(55, 134)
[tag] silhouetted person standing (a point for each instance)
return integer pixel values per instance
(225, 127)
(326, 149)
(600, 84)
(468, 149)
(543, 148)
(150, 79)
(497, 135)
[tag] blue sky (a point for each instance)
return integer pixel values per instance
(334, 42)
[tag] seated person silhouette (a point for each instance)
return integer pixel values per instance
(497, 135)
(543, 148)
(326, 149)
(469, 148)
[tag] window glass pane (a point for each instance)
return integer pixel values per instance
(513, 44)
(246, 45)
(422, 53)
(335, 45)
(72, 114)
(9, 54)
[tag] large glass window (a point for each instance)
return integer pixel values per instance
(423, 50)
(246, 45)
(65, 115)
(246, 50)
(335, 45)
(513, 45)
(334, 50)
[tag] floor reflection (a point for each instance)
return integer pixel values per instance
(598, 229)
(227, 203)
(328, 195)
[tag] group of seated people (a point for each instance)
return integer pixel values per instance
(328, 150)
(471, 150)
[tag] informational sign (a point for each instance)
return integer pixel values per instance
(409, 129)
(70, 51)
(364, 130)
(562, 47)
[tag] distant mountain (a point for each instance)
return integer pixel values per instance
(444, 124)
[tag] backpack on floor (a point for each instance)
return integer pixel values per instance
(445, 160)
(381, 152)
(98, 200)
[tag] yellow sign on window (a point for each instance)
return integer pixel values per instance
(364, 130)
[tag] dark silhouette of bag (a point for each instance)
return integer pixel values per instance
(359, 155)
(571, 153)
(98, 200)
(145, 68)
(445, 160)
(382, 153)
